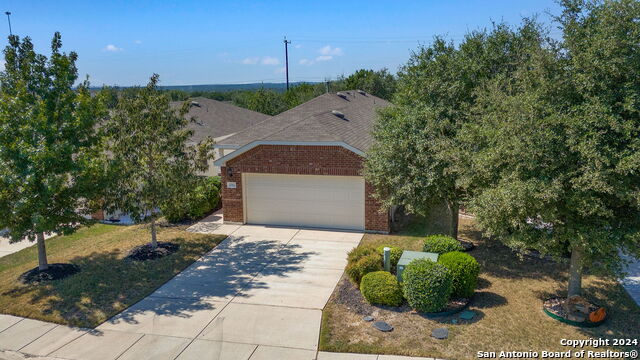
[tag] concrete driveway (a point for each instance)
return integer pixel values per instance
(258, 295)
(7, 248)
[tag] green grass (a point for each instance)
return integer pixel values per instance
(508, 303)
(106, 284)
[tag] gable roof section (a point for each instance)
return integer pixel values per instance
(314, 122)
(218, 119)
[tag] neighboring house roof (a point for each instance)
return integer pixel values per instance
(317, 121)
(218, 119)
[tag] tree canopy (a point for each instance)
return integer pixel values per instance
(554, 152)
(47, 143)
(414, 161)
(149, 160)
(538, 137)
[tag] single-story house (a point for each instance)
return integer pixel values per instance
(218, 120)
(303, 167)
(215, 119)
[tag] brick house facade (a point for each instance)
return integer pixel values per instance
(297, 160)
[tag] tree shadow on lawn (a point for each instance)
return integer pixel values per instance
(108, 284)
(498, 260)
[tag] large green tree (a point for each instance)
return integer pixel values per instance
(414, 161)
(47, 143)
(149, 158)
(555, 152)
(380, 83)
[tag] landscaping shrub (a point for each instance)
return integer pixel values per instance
(382, 288)
(195, 202)
(464, 269)
(361, 251)
(396, 253)
(427, 285)
(363, 265)
(441, 244)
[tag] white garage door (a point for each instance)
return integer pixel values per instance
(305, 200)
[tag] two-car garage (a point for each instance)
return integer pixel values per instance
(304, 200)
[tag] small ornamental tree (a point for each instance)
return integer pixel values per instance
(47, 143)
(148, 159)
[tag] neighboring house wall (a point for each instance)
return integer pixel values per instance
(297, 160)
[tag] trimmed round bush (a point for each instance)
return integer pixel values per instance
(363, 265)
(441, 244)
(465, 270)
(427, 285)
(381, 288)
(396, 253)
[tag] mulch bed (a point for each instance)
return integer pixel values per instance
(55, 271)
(556, 306)
(467, 245)
(350, 296)
(147, 252)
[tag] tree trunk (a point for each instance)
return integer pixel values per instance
(454, 209)
(43, 264)
(154, 240)
(575, 272)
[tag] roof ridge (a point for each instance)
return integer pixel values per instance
(301, 120)
(282, 114)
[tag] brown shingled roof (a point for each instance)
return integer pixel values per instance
(216, 118)
(314, 121)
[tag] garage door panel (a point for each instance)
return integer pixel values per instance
(305, 200)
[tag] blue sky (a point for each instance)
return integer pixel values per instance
(206, 42)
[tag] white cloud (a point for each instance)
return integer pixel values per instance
(305, 62)
(137, 42)
(265, 60)
(330, 51)
(250, 60)
(112, 48)
(297, 46)
(270, 60)
(324, 58)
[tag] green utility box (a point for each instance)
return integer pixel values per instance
(409, 256)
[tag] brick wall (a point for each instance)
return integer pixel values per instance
(296, 160)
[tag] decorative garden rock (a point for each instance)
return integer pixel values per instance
(467, 315)
(368, 318)
(382, 326)
(440, 333)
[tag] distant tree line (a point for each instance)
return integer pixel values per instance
(380, 83)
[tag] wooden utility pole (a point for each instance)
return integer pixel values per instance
(8, 13)
(286, 59)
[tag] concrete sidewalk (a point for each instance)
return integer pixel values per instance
(632, 281)
(7, 248)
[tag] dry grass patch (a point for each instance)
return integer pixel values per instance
(106, 284)
(508, 304)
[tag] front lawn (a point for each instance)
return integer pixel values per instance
(106, 284)
(508, 304)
